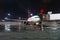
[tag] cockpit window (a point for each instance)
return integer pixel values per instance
(36, 17)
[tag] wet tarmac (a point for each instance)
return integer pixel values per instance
(46, 34)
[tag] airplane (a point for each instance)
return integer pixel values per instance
(34, 20)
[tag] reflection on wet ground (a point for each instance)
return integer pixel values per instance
(46, 34)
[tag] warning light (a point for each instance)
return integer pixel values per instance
(41, 11)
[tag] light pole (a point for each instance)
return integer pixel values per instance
(19, 23)
(41, 17)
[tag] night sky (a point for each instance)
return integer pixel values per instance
(18, 8)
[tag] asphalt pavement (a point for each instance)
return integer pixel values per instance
(47, 34)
